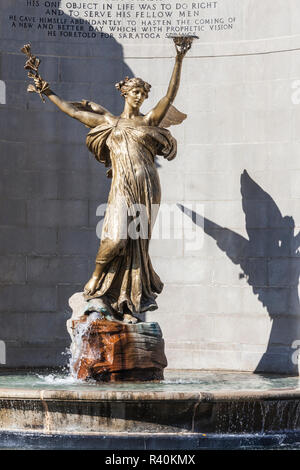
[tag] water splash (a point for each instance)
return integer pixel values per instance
(53, 379)
(76, 346)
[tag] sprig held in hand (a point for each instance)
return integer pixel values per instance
(32, 65)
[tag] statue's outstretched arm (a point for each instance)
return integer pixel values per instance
(90, 119)
(155, 116)
(87, 115)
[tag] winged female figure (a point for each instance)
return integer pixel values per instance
(127, 144)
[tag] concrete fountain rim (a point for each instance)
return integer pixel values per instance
(137, 396)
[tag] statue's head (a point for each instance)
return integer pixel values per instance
(134, 90)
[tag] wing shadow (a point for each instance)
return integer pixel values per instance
(270, 262)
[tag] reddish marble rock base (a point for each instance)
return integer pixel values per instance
(113, 351)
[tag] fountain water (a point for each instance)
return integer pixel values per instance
(77, 343)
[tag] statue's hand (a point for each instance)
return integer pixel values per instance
(92, 285)
(41, 85)
(38, 83)
(182, 45)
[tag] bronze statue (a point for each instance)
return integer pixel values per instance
(127, 144)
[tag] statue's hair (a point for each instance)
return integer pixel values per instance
(125, 85)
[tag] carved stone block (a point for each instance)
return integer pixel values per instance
(111, 351)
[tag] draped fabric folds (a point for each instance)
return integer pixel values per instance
(129, 282)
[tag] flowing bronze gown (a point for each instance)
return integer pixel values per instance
(129, 282)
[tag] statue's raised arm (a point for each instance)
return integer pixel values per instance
(89, 113)
(159, 112)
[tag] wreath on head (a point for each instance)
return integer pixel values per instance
(125, 85)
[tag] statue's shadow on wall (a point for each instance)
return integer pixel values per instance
(270, 262)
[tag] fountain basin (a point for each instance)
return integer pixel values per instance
(63, 411)
(161, 414)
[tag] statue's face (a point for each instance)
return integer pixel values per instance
(135, 97)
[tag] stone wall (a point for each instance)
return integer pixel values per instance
(231, 280)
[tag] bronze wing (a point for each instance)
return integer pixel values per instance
(172, 117)
(85, 105)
